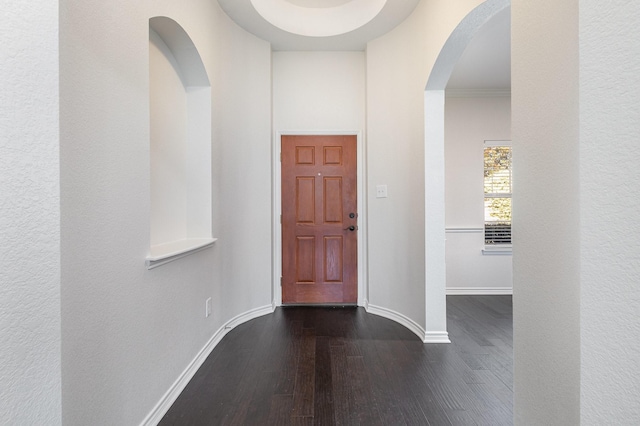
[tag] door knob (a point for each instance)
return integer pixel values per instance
(351, 228)
(352, 215)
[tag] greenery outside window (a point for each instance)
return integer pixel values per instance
(497, 193)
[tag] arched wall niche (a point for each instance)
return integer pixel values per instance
(434, 99)
(180, 144)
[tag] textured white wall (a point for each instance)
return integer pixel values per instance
(610, 212)
(128, 333)
(30, 204)
(469, 121)
(398, 66)
(546, 211)
(576, 300)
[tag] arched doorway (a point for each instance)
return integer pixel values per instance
(434, 101)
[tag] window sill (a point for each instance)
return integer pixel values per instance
(161, 254)
(498, 250)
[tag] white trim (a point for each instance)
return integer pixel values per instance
(497, 250)
(464, 230)
(436, 337)
(497, 142)
(248, 316)
(435, 302)
(161, 254)
(161, 408)
(479, 291)
(478, 93)
(426, 337)
(277, 210)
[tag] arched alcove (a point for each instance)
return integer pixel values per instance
(180, 144)
(434, 101)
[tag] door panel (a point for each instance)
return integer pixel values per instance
(319, 205)
(333, 266)
(306, 200)
(333, 193)
(305, 255)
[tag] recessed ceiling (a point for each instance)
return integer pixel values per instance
(318, 24)
(318, 3)
(349, 24)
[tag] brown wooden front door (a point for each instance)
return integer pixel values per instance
(319, 219)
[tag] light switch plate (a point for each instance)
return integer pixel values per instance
(381, 191)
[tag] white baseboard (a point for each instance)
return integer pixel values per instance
(436, 337)
(479, 291)
(426, 337)
(167, 400)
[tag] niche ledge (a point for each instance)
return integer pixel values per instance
(161, 254)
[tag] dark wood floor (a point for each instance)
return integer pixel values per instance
(342, 366)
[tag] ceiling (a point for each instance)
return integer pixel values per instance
(349, 24)
(318, 24)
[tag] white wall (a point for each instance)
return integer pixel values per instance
(242, 168)
(322, 91)
(609, 212)
(398, 66)
(575, 128)
(469, 121)
(546, 212)
(30, 204)
(128, 333)
(168, 150)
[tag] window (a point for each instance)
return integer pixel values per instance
(497, 192)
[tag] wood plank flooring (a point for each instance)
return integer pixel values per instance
(342, 366)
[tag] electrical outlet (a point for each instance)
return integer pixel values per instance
(207, 309)
(381, 191)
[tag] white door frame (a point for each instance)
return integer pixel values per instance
(276, 238)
